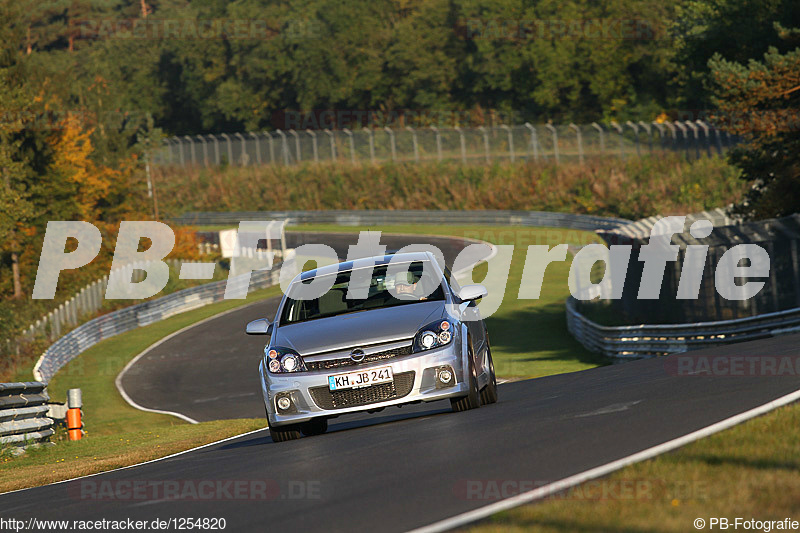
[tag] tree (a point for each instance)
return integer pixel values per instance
(761, 102)
(735, 30)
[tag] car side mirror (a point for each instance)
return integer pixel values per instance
(471, 293)
(259, 327)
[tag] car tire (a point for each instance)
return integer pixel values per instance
(489, 392)
(315, 426)
(473, 399)
(284, 433)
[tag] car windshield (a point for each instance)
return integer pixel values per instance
(412, 286)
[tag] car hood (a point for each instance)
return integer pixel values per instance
(358, 329)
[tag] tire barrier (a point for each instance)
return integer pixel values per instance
(23, 414)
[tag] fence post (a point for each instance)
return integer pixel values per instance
(635, 129)
(554, 133)
(646, 127)
(333, 144)
(284, 147)
(391, 141)
(534, 141)
(271, 148)
(352, 145)
(694, 129)
(510, 141)
(414, 142)
(258, 146)
(180, 151)
(438, 142)
(244, 159)
(718, 138)
(297, 154)
(191, 147)
(580, 141)
(463, 145)
(314, 145)
(485, 143)
(205, 149)
(371, 144)
(705, 132)
(621, 139)
(230, 147)
(660, 128)
(216, 149)
(673, 135)
(602, 134)
(685, 142)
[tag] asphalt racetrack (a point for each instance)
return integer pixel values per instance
(404, 468)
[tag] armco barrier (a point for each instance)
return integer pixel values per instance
(634, 342)
(23, 413)
(362, 218)
(87, 335)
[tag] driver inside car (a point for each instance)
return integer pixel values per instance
(405, 284)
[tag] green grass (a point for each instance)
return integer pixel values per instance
(116, 433)
(633, 188)
(749, 471)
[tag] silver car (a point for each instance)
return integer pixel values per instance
(397, 331)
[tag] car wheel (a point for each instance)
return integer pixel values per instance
(315, 426)
(284, 433)
(489, 392)
(471, 400)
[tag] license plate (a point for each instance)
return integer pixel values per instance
(365, 378)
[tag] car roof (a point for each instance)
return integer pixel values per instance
(378, 260)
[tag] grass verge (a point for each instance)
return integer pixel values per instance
(117, 434)
(634, 188)
(749, 471)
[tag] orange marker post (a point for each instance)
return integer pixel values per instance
(74, 423)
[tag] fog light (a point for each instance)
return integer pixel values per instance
(445, 377)
(284, 403)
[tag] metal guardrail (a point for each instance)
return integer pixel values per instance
(634, 342)
(362, 218)
(87, 301)
(87, 335)
(23, 414)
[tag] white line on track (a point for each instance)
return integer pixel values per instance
(118, 380)
(602, 470)
(140, 464)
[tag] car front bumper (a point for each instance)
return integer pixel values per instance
(310, 398)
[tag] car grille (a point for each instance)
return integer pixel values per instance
(346, 361)
(327, 399)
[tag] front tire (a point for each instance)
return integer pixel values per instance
(284, 433)
(489, 392)
(472, 400)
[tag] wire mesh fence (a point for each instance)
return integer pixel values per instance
(526, 142)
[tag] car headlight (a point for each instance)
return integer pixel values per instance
(283, 360)
(434, 335)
